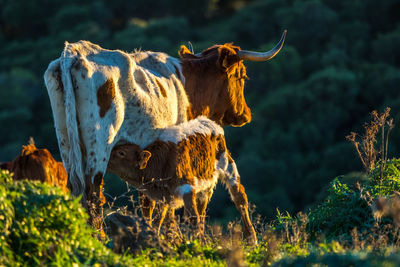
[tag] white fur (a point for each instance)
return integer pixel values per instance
(205, 184)
(200, 125)
(222, 163)
(138, 112)
(233, 174)
(226, 170)
(200, 185)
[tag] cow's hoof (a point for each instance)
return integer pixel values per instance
(252, 240)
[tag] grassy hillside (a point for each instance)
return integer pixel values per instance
(356, 224)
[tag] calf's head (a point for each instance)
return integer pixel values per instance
(128, 159)
(214, 81)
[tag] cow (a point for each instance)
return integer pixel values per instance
(37, 165)
(101, 98)
(182, 168)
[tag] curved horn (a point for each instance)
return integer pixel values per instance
(262, 56)
(190, 47)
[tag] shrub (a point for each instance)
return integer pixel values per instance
(348, 207)
(344, 209)
(350, 258)
(40, 225)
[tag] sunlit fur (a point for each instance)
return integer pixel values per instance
(214, 82)
(184, 172)
(38, 164)
(86, 130)
(101, 98)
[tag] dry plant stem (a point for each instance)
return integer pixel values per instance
(382, 166)
(367, 151)
(391, 125)
(352, 139)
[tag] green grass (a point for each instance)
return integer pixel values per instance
(41, 225)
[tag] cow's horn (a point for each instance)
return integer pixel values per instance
(191, 47)
(259, 56)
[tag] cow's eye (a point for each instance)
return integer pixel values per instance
(122, 154)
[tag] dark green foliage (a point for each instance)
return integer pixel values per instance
(352, 258)
(391, 181)
(342, 211)
(349, 206)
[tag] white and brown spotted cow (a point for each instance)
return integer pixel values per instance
(182, 168)
(102, 97)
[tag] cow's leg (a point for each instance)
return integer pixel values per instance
(147, 205)
(95, 201)
(231, 178)
(239, 197)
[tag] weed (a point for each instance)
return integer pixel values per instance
(367, 150)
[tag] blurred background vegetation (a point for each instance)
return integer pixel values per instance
(340, 61)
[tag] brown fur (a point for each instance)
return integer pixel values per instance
(171, 166)
(39, 164)
(105, 95)
(162, 89)
(214, 83)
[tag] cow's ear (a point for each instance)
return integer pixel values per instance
(227, 56)
(184, 51)
(143, 159)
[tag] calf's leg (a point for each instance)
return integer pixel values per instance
(162, 213)
(202, 202)
(191, 212)
(171, 226)
(147, 206)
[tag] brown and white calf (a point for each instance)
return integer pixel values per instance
(182, 168)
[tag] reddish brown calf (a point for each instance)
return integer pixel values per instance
(38, 164)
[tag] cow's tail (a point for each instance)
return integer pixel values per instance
(74, 168)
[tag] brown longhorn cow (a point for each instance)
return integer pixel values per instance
(101, 98)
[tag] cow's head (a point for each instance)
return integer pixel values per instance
(214, 81)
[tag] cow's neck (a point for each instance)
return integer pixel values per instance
(204, 98)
